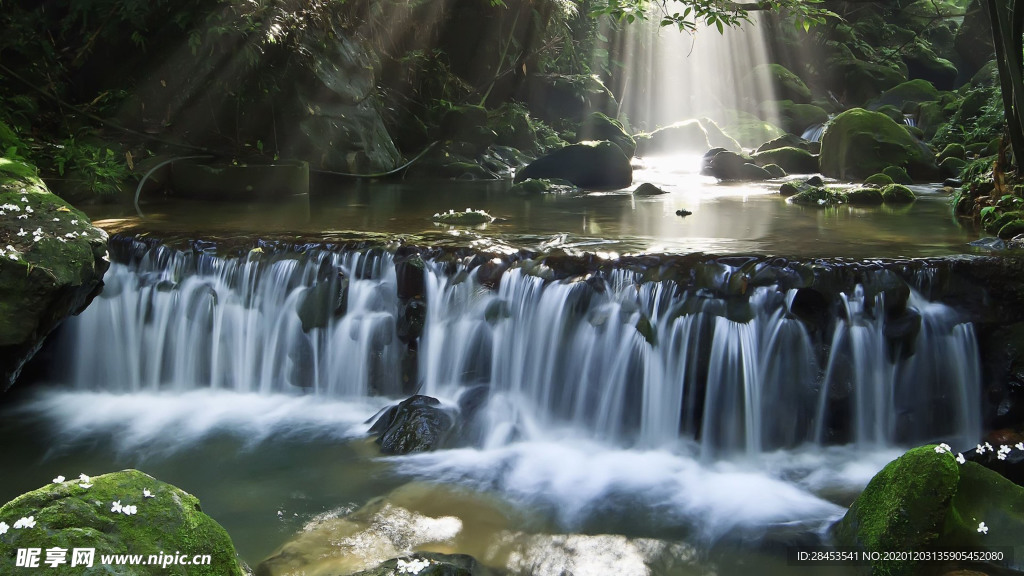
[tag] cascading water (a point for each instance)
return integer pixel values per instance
(644, 364)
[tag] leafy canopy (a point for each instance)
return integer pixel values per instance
(717, 13)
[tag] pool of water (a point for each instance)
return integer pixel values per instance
(728, 218)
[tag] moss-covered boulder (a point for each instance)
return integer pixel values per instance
(951, 167)
(878, 180)
(94, 514)
(729, 166)
(787, 84)
(775, 170)
(898, 175)
(793, 117)
(648, 189)
(792, 160)
(861, 81)
(591, 165)
(859, 143)
(52, 262)
(749, 130)
(864, 197)
(816, 196)
(912, 91)
(542, 186)
(898, 194)
(469, 217)
(925, 500)
(903, 508)
(922, 63)
(717, 138)
(598, 126)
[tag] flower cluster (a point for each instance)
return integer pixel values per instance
(414, 566)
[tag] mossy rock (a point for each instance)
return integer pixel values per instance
(902, 508)
(864, 196)
(951, 167)
(983, 496)
(598, 126)
(542, 186)
(879, 180)
(787, 84)
(816, 196)
(862, 80)
(795, 118)
(467, 218)
(467, 124)
(954, 150)
(930, 117)
(717, 138)
(859, 143)
(898, 194)
(922, 63)
(792, 160)
(775, 170)
(1011, 229)
(648, 189)
(750, 130)
(69, 516)
(894, 113)
(912, 91)
(898, 175)
(54, 270)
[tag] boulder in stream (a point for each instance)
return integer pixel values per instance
(417, 424)
(593, 165)
(859, 143)
(112, 514)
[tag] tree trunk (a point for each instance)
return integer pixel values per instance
(1007, 17)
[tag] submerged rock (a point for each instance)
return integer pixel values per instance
(648, 189)
(417, 424)
(68, 515)
(791, 159)
(592, 165)
(428, 564)
(52, 262)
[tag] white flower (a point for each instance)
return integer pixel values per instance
(116, 507)
(13, 207)
(62, 240)
(85, 485)
(21, 232)
(1019, 446)
(960, 458)
(83, 478)
(29, 522)
(129, 510)
(29, 209)
(412, 567)
(56, 219)
(23, 217)
(69, 235)
(982, 528)
(989, 447)
(980, 449)
(4, 528)
(1001, 455)
(74, 221)
(58, 480)
(2, 213)
(939, 449)
(147, 494)
(24, 198)
(13, 256)
(947, 447)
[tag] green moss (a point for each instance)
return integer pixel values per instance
(598, 126)
(467, 218)
(792, 160)
(1011, 229)
(859, 143)
(898, 194)
(878, 180)
(984, 496)
(912, 91)
(775, 170)
(954, 150)
(816, 197)
(902, 508)
(864, 196)
(68, 516)
(898, 175)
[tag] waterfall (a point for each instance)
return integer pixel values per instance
(645, 363)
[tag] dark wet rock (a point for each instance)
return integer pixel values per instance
(775, 170)
(989, 243)
(812, 308)
(1012, 229)
(598, 126)
(784, 141)
(859, 143)
(952, 182)
(791, 159)
(861, 80)
(954, 150)
(922, 63)
(543, 186)
(1011, 466)
(814, 181)
(409, 276)
(428, 564)
(567, 97)
(412, 317)
(323, 301)
(951, 167)
(726, 165)
(467, 124)
(417, 424)
(901, 334)
(648, 189)
(683, 212)
(597, 166)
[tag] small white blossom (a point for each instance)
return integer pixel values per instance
(29, 522)
(13, 256)
(56, 219)
(63, 241)
(58, 480)
(960, 458)
(74, 221)
(69, 235)
(2, 213)
(980, 449)
(129, 510)
(21, 232)
(4, 528)
(1019, 446)
(982, 528)
(29, 209)
(939, 449)
(947, 447)
(147, 494)
(24, 198)
(116, 507)
(412, 567)
(83, 478)
(23, 217)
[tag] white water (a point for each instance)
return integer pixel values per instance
(720, 428)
